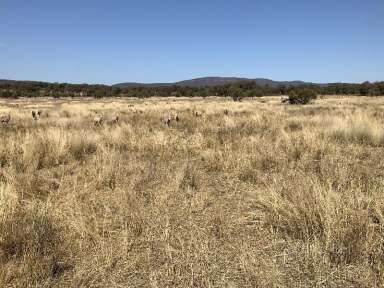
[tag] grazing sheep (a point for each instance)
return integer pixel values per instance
(5, 119)
(177, 118)
(114, 120)
(34, 115)
(98, 120)
(198, 114)
(226, 112)
(167, 120)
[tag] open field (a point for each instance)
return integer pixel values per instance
(270, 195)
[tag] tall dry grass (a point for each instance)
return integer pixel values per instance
(267, 196)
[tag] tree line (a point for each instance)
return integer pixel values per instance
(14, 89)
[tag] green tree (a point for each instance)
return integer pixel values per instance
(302, 96)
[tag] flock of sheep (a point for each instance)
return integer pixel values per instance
(5, 119)
(99, 119)
(37, 114)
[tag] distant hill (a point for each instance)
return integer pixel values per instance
(215, 81)
(9, 81)
(210, 81)
(135, 84)
(5, 81)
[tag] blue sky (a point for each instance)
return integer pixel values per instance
(168, 40)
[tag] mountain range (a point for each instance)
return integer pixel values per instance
(215, 81)
(197, 82)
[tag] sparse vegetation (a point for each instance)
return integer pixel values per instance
(267, 195)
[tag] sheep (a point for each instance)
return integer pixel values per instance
(5, 119)
(198, 114)
(175, 117)
(114, 120)
(98, 120)
(226, 112)
(34, 115)
(167, 120)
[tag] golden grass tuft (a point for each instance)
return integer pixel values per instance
(358, 128)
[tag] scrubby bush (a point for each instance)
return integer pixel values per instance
(302, 96)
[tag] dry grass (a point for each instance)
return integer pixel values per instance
(269, 195)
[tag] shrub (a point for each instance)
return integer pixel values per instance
(302, 97)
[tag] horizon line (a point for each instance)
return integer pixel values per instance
(190, 79)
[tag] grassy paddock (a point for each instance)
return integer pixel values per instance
(269, 195)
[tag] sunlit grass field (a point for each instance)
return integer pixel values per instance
(270, 195)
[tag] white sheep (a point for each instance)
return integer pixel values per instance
(167, 120)
(98, 120)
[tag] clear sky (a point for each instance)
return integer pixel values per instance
(112, 41)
